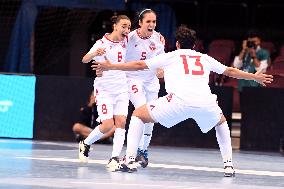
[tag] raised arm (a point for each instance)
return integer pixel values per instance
(89, 56)
(258, 76)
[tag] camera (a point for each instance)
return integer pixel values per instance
(251, 44)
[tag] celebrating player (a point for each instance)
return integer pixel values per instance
(144, 86)
(111, 91)
(186, 74)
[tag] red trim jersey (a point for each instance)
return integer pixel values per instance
(112, 81)
(140, 48)
(186, 74)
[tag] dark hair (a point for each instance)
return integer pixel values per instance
(115, 19)
(253, 33)
(186, 37)
(140, 15)
(143, 12)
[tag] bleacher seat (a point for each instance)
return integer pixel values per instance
(278, 78)
(281, 51)
(268, 45)
(222, 50)
(278, 63)
(223, 42)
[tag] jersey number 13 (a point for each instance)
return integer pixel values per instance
(198, 67)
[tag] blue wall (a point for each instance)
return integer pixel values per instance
(17, 97)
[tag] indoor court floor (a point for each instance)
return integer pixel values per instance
(26, 164)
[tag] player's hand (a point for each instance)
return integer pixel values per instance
(100, 51)
(102, 66)
(99, 73)
(262, 78)
(162, 39)
(160, 73)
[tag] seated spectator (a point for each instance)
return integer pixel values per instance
(88, 120)
(252, 58)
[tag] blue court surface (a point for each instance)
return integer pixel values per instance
(28, 164)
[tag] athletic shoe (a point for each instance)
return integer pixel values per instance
(115, 164)
(131, 165)
(142, 157)
(229, 169)
(84, 150)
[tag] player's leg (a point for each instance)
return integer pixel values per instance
(105, 111)
(81, 131)
(224, 141)
(84, 131)
(167, 110)
(120, 114)
(142, 153)
(108, 134)
(139, 117)
(137, 96)
(209, 117)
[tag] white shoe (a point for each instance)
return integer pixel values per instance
(114, 164)
(229, 169)
(84, 150)
(131, 165)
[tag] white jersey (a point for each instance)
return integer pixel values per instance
(112, 81)
(186, 74)
(140, 48)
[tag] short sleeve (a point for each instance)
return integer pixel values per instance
(214, 65)
(97, 45)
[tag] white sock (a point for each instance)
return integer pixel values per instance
(146, 137)
(134, 135)
(95, 135)
(224, 141)
(118, 141)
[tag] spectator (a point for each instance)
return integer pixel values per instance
(251, 59)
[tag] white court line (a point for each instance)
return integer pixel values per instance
(169, 166)
(128, 184)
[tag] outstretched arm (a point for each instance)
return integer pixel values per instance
(130, 66)
(259, 77)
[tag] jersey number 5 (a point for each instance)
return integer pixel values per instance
(134, 89)
(143, 56)
(198, 70)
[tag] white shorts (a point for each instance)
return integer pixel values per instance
(109, 105)
(170, 110)
(141, 92)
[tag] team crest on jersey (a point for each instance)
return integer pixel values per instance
(123, 44)
(152, 46)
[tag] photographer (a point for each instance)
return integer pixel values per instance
(252, 58)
